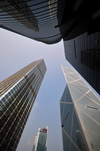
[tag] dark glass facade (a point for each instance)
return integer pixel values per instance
(80, 114)
(83, 53)
(18, 93)
(35, 19)
(82, 38)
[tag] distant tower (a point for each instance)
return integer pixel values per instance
(40, 141)
(17, 95)
(80, 114)
(35, 141)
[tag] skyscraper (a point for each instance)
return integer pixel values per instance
(17, 95)
(40, 141)
(35, 19)
(80, 114)
(83, 53)
(82, 38)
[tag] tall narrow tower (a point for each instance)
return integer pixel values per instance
(40, 141)
(80, 114)
(17, 95)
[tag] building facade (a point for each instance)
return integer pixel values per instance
(35, 19)
(83, 53)
(40, 141)
(17, 95)
(80, 114)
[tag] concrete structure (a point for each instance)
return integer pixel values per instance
(40, 141)
(80, 114)
(17, 95)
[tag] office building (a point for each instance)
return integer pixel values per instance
(83, 53)
(80, 30)
(17, 95)
(40, 141)
(49, 21)
(80, 114)
(35, 19)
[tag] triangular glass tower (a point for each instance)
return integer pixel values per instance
(80, 114)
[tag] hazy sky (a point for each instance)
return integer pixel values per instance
(15, 53)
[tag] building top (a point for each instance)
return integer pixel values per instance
(40, 141)
(43, 130)
(13, 79)
(76, 84)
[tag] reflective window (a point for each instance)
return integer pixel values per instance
(61, 110)
(66, 142)
(90, 107)
(74, 148)
(92, 130)
(75, 129)
(67, 118)
(79, 87)
(93, 97)
(73, 77)
(82, 83)
(69, 79)
(75, 93)
(66, 96)
(77, 135)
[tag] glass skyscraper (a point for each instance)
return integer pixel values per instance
(40, 141)
(80, 114)
(83, 53)
(35, 19)
(17, 95)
